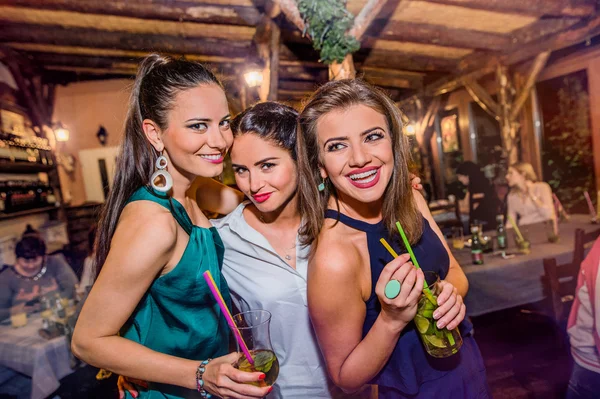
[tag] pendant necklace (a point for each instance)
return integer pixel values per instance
(287, 256)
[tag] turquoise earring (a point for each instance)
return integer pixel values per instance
(321, 186)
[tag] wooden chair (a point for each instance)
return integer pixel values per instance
(449, 207)
(562, 279)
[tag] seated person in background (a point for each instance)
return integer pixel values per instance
(584, 329)
(34, 275)
(87, 276)
(484, 204)
(529, 199)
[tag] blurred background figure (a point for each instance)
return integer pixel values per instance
(584, 330)
(33, 276)
(483, 202)
(87, 276)
(529, 200)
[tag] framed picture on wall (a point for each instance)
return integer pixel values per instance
(449, 132)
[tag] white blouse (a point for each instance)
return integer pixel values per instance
(527, 210)
(259, 278)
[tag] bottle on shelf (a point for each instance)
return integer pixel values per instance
(476, 248)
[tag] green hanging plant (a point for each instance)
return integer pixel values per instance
(327, 21)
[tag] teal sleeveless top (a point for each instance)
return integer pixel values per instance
(178, 314)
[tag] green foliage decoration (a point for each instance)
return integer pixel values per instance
(569, 160)
(327, 21)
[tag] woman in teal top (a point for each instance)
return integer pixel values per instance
(150, 316)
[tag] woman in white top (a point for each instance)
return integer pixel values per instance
(529, 199)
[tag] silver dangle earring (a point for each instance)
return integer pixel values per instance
(161, 166)
(321, 187)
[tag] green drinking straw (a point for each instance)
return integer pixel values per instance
(426, 290)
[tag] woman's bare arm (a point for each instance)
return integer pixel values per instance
(338, 310)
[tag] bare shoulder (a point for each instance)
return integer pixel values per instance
(336, 254)
(148, 223)
(420, 201)
(542, 186)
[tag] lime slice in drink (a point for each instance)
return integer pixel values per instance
(435, 341)
(422, 324)
(427, 313)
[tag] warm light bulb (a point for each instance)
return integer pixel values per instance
(410, 129)
(253, 78)
(61, 134)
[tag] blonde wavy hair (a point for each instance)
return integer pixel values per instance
(526, 170)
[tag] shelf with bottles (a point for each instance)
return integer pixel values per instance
(22, 195)
(24, 153)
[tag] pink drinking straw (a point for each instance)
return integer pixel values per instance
(590, 205)
(219, 298)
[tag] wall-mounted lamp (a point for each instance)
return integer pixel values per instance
(410, 129)
(61, 133)
(253, 76)
(102, 135)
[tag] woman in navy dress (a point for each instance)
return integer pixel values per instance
(353, 185)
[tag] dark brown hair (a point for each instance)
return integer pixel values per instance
(398, 202)
(158, 81)
(271, 121)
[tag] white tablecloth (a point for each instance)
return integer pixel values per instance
(45, 361)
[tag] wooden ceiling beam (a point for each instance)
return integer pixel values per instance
(569, 8)
(576, 34)
(396, 60)
(299, 86)
(178, 10)
(441, 36)
(100, 52)
(304, 73)
(392, 82)
(540, 28)
(132, 26)
(30, 33)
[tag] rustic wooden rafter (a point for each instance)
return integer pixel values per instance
(568, 8)
(536, 68)
(178, 10)
(442, 36)
(31, 33)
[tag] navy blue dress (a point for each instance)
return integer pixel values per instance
(411, 372)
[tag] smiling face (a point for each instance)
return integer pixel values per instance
(264, 172)
(30, 265)
(198, 133)
(356, 153)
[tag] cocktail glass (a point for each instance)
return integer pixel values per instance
(18, 316)
(438, 342)
(458, 238)
(254, 329)
(523, 243)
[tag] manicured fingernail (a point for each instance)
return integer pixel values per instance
(262, 377)
(436, 315)
(440, 324)
(135, 395)
(270, 389)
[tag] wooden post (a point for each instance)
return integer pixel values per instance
(274, 61)
(343, 70)
(508, 128)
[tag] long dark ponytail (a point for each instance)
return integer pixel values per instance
(158, 81)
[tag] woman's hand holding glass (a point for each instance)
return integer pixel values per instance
(401, 310)
(220, 379)
(225, 381)
(451, 309)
